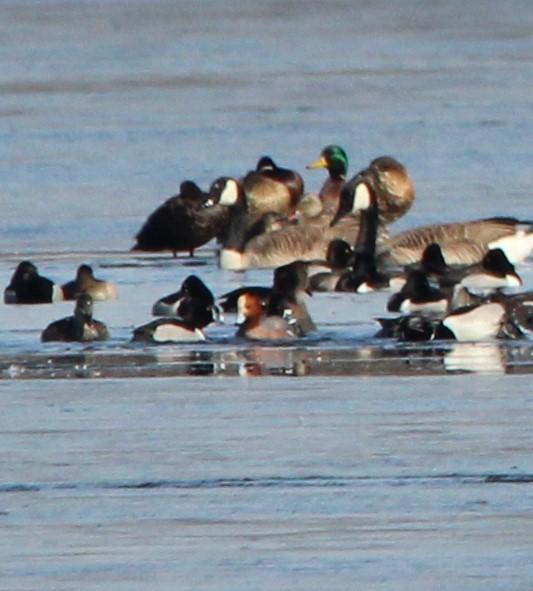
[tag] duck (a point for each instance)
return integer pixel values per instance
(194, 302)
(254, 323)
(417, 295)
(271, 188)
(86, 282)
(289, 289)
(462, 243)
(286, 296)
(80, 327)
(168, 330)
(334, 159)
(324, 275)
(411, 328)
(183, 222)
(186, 313)
(495, 271)
(28, 287)
(478, 322)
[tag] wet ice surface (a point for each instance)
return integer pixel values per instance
(135, 467)
(203, 483)
(344, 343)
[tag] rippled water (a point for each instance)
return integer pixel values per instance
(419, 478)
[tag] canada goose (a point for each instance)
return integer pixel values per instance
(183, 222)
(359, 198)
(394, 189)
(275, 248)
(279, 247)
(363, 276)
(462, 243)
(86, 282)
(193, 303)
(28, 287)
(79, 327)
(334, 159)
(271, 188)
(255, 324)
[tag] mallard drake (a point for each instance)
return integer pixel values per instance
(28, 287)
(79, 327)
(271, 188)
(462, 243)
(183, 222)
(193, 303)
(334, 159)
(254, 323)
(86, 282)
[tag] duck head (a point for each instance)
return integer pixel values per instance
(334, 159)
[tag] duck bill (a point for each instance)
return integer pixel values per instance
(320, 163)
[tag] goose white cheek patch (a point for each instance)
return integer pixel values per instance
(362, 198)
(230, 194)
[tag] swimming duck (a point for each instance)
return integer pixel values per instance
(285, 298)
(255, 324)
(86, 282)
(479, 322)
(324, 275)
(334, 159)
(28, 287)
(271, 188)
(195, 307)
(183, 222)
(79, 327)
(193, 303)
(168, 330)
(494, 272)
(418, 296)
(462, 243)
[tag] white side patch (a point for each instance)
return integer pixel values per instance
(516, 247)
(436, 307)
(165, 333)
(57, 294)
(480, 324)
(362, 199)
(232, 260)
(230, 194)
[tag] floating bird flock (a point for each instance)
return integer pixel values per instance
(447, 280)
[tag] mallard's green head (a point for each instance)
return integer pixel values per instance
(334, 159)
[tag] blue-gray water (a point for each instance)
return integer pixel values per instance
(417, 479)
